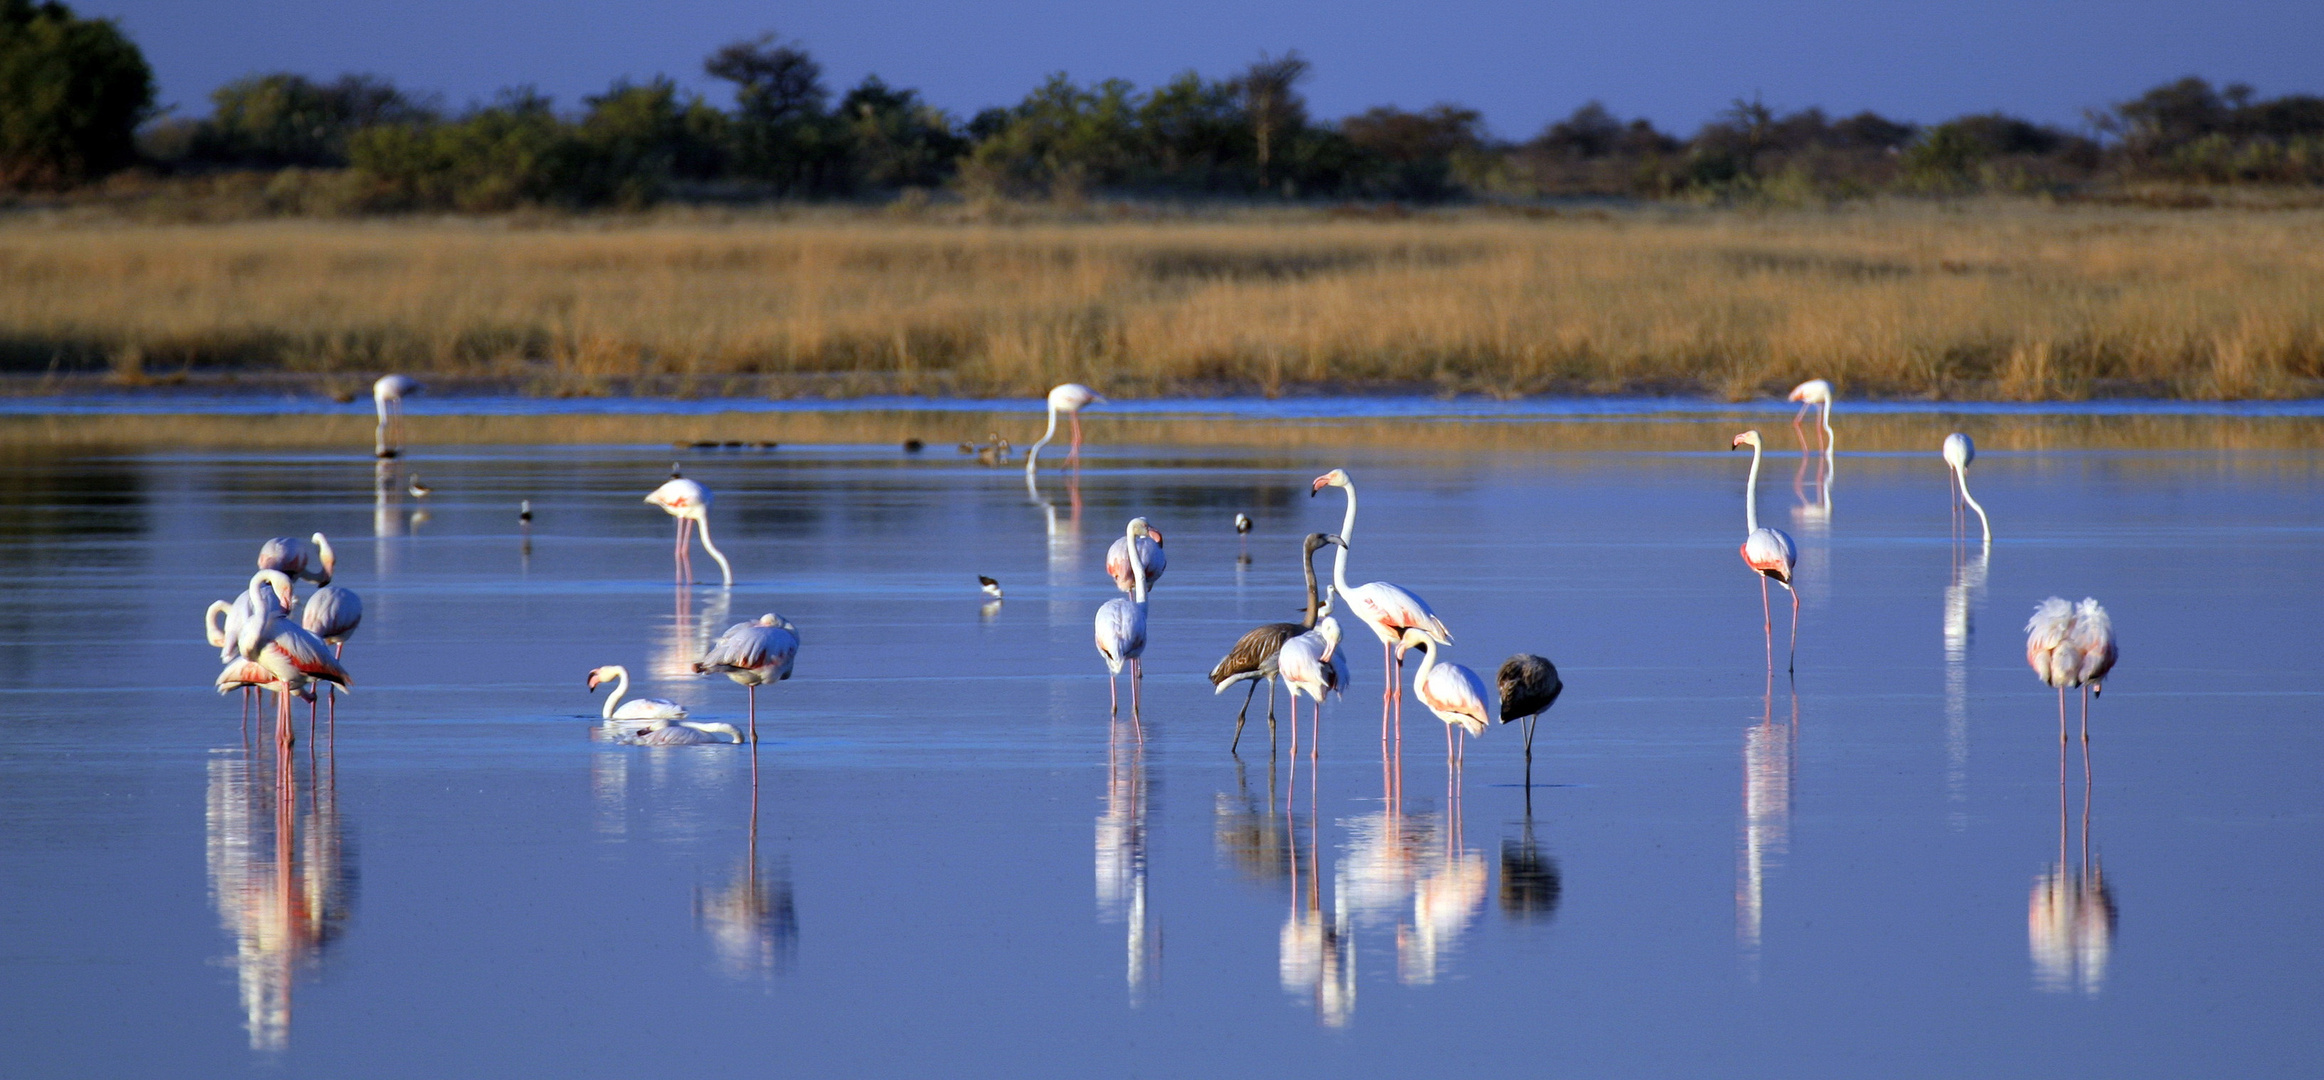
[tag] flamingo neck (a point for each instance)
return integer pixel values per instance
(620, 687)
(1427, 664)
(1339, 562)
(1033, 456)
(214, 620)
(1314, 598)
(724, 571)
(1137, 574)
(1751, 495)
(1985, 526)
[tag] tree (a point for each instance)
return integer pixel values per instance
(271, 121)
(1414, 153)
(894, 139)
(72, 92)
(781, 131)
(1271, 99)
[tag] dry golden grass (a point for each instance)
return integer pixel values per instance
(1991, 300)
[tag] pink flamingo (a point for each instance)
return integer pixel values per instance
(1810, 394)
(1768, 552)
(1150, 558)
(294, 656)
(1453, 692)
(689, 502)
(1070, 399)
(1305, 664)
(1121, 632)
(753, 654)
(2069, 646)
(312, 560)
(332, 613)
(1389, 610)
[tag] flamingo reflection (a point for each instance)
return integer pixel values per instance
(1447, 896)
(1766, 827)
(282, 877)
(1315, 956)
(2070, 916)
(1967, 588)
(752, 921)
(1121, 863)
(1248, 831)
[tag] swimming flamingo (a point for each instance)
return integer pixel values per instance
(332, 613)
(1306, 665)
(689, 502)
(1770, 552)
(1959, 452)
(1388, 609)
(1810, 394)
(1529, 686)
(387, 397)
(1121, 631)
(630, 716)
(309, 559)
(663, 731)
(2071, 645)
(1454, 693)
(1149, 553)
(1253, 656)
(753, 654)
(1070, 399)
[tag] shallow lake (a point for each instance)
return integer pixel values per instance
(948, 860)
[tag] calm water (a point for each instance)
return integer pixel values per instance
(957, 865)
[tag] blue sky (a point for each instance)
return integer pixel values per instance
(1674, 61)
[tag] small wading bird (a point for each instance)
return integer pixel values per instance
(1770, 553)
(2071, 645)
(311, 560)
(418, 489)
(753, 654)
(1150, 556)
(1254, 656)
(1810, 394)
(387, 397)
(332, 613)
(1070, 399)
(991, 588)
(524, 512)
(1387, 609)
(1307, 665)
(1529, 686)
(665, 732)
(1454, 693)
(1121, 633)
(630, 717)
(1959, 452)
(689, 502)
(1242, 525)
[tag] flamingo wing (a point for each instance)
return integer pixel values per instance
(1149, 553)
(332, 613)
(1456, 695)
(1529, 685)
(751, 647)
(1301, 663)
(297, 655)
(1250, 656)
(679, 496)
(1391, 609)
(1121, 632)
(650, 709)
(1771, 552)
(285, 553)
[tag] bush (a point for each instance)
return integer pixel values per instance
(72, 92)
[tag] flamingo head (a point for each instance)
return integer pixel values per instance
(330, 559)
(772, 619)
(1138, 528)
(1154, 534)
(1336, 478)
(1748, 438)
(279, 582)
(1329, 629)
(603, 675)
(1316, 542)
(1413, 638)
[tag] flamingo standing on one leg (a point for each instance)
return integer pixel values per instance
(1252, 660)
(1150, 557)
(1070, 399)
(1959, 452)
(1529, 686)
(2069, 646)
(1121, 633)
(1769, 552)
(387, 397)
(1388, 609)
(753, 654)
(332, 613)
(1454, 693)
(689, 502)
(1306, 665)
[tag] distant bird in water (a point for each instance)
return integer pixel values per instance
(1389, 610)
(1253, 657)
(524, 512)
(387, 397)
(1811, 394)
(1959, 452)
(991, 588)
(630, 717)
(1454, 693)
(1121, 632)
(914, 446)
(312, 560)
(2069, 646)
(1529, 686)
(995, 452)
(1070, 399)
(754, 654)
(662, 731)
(1242, 525)
(1150, 556)
(419, 490)
(689, 502)
(1768, 552)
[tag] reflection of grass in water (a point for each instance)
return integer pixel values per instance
(1418, 438)
(1966, 300)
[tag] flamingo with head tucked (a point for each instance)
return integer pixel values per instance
(689, 502)
(663, 731)
(1150, 557)
(1306, 663)
(1070, 399)
(332, 613)
(754, 654)
(1959, 452)
(312, 559)
(387, 397)
(1769, 553)
(1389, 610)
(292, 654)
(2071, 646)
(1121, 632)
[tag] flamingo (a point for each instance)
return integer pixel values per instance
(2068, 646)
(1811, 394)
(387, 397)
(1388, 609)
(1150, 554)
(312, 559)
(689, 502)
(1121, 631)
(753, 654)
(1959, 452)
(1070, 399)
(629, 717)
(663, 731)
(332, 613)
(222, 623)
(1253, 657)
(1306, 665)
(1529, 686)
(1770, 553)
(292, 654)
(1454, 693)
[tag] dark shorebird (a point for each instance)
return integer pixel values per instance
(991, 588)
(1242, 524)
(1529, 686)
(1254, 656)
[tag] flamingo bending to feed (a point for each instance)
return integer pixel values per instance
(1253, 657)
(1150, 557)
(1388, 609)
(1529, 686)
(754, 654)
(631, 716)
(1770, 553)
(1811, 394)
(662, 731)
(292, 654)
(312, 560)
(1454, 693)
(1959, 452)
(387, 397)
(332, 613)
(689, 502)
(1307, 664)
(1070, 399)
(2071, 645)
(1121, 632)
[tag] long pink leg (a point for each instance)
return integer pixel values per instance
(1387, 690)
(1074, 455)
(1794, 663)
(1314, 744)
(1295, 730)
(754, 714)
(1767, 615)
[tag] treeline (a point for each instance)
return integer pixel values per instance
(362, 144)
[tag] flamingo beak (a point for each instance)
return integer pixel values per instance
(1320, 483)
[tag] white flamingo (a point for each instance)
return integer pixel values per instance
(632, 714)
(1150, 557)
(1121, 631)
(1810, 394)
(332, 613)
(293, 655)
(753, 654)
(387, 397)
(689, 502)
(1769, 553)
(1959, 452)
(1453, 692)
(1070, 399)
(1306, 665)
(1389, 610)
(663, 731)
(312, 560)
(2071, 646)
(222, 623)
